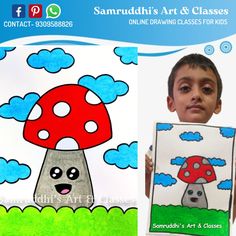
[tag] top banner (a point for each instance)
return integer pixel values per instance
(158, 22)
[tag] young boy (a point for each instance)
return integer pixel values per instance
(194, 92)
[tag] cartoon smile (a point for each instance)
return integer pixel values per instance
(194, 199)
(63, 189)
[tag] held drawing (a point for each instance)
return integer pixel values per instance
(193, 180)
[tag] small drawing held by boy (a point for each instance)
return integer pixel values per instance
(194, 93)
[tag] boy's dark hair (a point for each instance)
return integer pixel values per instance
(194, 60)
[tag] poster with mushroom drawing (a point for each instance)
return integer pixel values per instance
(193, 179)
(68, 138)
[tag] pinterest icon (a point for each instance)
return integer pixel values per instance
(35, 11)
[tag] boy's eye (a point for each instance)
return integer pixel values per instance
(207, 90)
(184, 89)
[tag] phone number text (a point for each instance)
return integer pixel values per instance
(38, 24)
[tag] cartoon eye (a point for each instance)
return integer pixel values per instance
(56, 172)
(199, 193)
(190, 192)
(72, 173)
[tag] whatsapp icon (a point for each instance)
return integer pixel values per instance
(53, 11)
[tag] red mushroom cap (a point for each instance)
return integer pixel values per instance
(197, 170)
(68, 117)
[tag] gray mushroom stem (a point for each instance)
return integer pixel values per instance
(194, 196)
(64, 180)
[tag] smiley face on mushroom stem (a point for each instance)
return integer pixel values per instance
(64, 179)
(64, 175)
(195, 196)
(72, 174)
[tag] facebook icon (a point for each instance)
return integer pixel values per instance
(18, 10)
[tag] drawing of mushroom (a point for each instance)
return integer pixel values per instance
(66, 120)
(196, 171)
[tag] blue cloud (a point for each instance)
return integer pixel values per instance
(217, 161)
(179, 161)
(104, 86)
(4, 50)
(11, 171)
(164, 127)
(225, 185)
(127, 55)
(19, 108)
(190, 136)
(124, 156)
(52, 61)
(227, 132)
(164, 179)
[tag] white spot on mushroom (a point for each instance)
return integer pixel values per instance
(61, 109)
(200, 181)
(67, 144)
(91, 98)
(35, 113)
(208, 172)
(196, 165)
(186, 174)
(185, 165)
(91, 126)
(205, 161)
(43, 134)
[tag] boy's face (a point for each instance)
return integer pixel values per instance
(194, 95)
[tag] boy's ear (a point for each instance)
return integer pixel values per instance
(218, 107)
(170, 104)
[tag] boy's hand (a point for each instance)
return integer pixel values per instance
(148, 164)
(148, 173)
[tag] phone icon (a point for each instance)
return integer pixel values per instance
(53, 11)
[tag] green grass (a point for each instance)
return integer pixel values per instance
(83, 222)
(185, 220)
